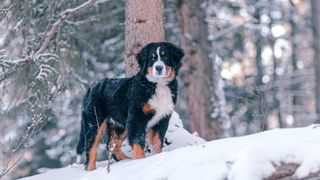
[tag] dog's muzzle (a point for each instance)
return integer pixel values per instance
(159, 69)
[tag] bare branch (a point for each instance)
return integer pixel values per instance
(228, 30)
(110, 148)
(9, 165)
(63, 16)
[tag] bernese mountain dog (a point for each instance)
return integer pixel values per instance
(136, 107)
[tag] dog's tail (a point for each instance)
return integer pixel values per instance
(81, 144)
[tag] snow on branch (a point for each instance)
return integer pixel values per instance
(6, 62)
(63, 16)
(9, 65)
(45, 62)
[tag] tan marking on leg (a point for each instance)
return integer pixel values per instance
(93, 150)
(150, 136)
(147, 108)
(118, 143)
(154, 141)
(138, 152)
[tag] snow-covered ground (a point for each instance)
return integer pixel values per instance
(251, 157)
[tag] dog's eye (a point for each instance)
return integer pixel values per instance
(153, 55)
(162, 53)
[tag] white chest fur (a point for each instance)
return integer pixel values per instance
(162, 103)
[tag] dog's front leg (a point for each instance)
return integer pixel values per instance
(157, 133)
(136, 136)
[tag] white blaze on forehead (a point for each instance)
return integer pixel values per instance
(158, 53)
(159, 63)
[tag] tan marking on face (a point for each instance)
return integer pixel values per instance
(147, 108)
(170, 72)
(162, 53)
(155, 141)
(93, 150)
(118, 144)
(150, 70)
(138, 152)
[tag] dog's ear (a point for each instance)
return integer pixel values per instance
(142, 58)
(176, 55)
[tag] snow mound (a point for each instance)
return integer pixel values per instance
(176, 137)
(251, 157)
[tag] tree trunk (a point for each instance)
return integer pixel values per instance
(258, 43)
(198, 69)
(315, 4)
(144, 24)
(276, 103)
(219, 103)
(260, 72)
(297, 102)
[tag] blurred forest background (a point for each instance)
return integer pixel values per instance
(258, 69)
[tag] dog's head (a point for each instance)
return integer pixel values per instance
(160, 61)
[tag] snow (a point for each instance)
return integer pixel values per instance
(176, 137)
(251, 157)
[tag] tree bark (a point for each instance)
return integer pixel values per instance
(315, 4)
(143, 24)
(198, 69)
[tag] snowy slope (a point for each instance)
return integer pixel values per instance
(243, 158)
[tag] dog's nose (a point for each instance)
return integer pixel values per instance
(159, 68)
